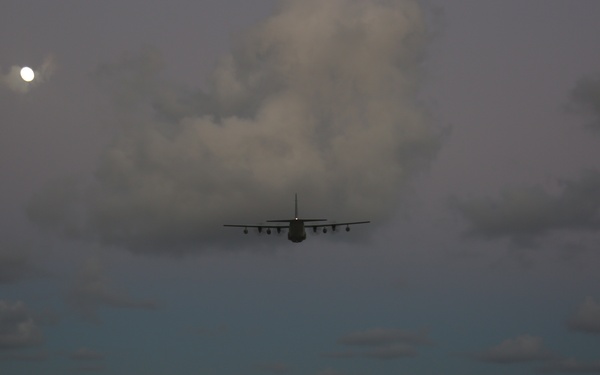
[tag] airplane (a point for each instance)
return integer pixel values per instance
(296, 227)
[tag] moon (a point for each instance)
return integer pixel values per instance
(27, 74)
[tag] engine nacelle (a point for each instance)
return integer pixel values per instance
(348, 228)
(245, 230)
(278, 230)
(324, 230)
(268, 230)
(314, 229)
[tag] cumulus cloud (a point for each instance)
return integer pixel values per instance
(319, 99)
(571, 366)
(585, 99)
(524, 348)
(524, 215)
(382, 344)
(92, 290)
(15, 267)
(587, 317)
(18, 328)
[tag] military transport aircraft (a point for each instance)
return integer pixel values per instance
(296, 227)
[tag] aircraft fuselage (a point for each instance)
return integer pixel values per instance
(296, 232)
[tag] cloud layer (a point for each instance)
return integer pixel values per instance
(382, 344)
(571, 366)
(319, 99)
(524, 348)
(15, 267)
(587, 317)
(93, 291)
(585, 99)
(18, 328)
(526, 214)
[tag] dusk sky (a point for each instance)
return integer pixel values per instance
(467, 132)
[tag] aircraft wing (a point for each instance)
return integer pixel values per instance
(256, 226)
(333, 225)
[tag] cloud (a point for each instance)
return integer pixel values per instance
(381, 344)
(319, 99)
(273, 368)
(330, 371)
(585, 99)
(38, 356)
(18, 328)
(524, 215)
(91, 368)
(524, 348)
(92, 290)
(571, 366)
(587, 317)
(85, 354)
(15, 267)
(218, 331)
(382, 353)
(379, 336)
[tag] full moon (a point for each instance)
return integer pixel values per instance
(27, 74)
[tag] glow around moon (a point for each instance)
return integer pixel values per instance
(27, 74)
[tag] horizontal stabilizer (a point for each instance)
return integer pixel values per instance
(288, 220)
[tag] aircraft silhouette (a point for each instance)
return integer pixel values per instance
(296, 227)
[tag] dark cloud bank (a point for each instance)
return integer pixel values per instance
(585, 99)
(587, 317)
(381, 344)
(524, 348)
(526, 214)
(93, 291)
(15, 267)
(319, 99)
(531, 349)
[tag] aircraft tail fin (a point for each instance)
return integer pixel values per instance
(295, 214)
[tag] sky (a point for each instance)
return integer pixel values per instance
(467, 132)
